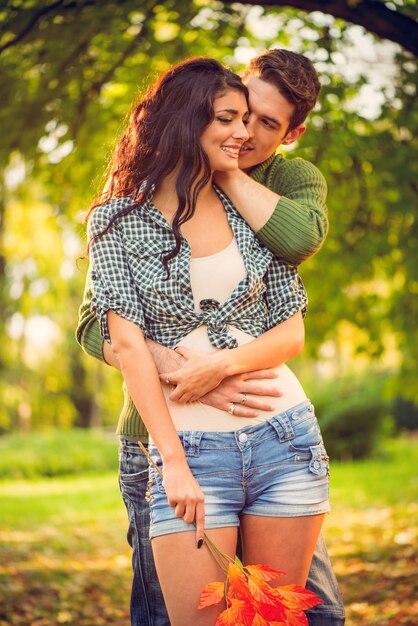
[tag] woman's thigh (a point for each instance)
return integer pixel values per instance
(284, 543)
(183, 571)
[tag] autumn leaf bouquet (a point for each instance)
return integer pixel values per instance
(250, 600)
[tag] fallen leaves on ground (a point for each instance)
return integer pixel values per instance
(80, 575)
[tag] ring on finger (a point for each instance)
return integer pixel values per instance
(231, 408)
(244, 398)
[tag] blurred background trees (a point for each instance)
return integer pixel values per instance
(69, 70)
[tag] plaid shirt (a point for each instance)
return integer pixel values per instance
(128, 277)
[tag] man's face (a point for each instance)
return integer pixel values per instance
(268, 125)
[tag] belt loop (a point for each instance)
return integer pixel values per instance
(283, 426)
(191, 442)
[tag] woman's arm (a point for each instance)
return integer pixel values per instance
(122, 323)
(203, 372)
(141, 378)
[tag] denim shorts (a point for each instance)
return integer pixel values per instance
(278, 468)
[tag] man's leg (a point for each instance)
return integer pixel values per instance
(322, 581)
(147, 603)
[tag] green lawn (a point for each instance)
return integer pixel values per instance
(64, 559)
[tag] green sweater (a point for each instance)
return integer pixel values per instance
(295, 231)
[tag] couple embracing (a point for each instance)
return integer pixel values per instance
(194, 294)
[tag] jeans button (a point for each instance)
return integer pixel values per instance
(243, 437)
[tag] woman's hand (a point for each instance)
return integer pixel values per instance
(184, 494)
(201, 373)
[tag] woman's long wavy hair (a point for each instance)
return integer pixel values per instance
(164, 133)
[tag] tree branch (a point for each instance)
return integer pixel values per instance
(96, 87)
(373, 15)
(39, 15)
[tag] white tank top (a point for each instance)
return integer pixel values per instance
(216, 276)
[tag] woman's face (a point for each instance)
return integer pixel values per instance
(224, 136)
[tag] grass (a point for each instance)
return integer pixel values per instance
(57, 453)
(384, 480)
(64, 558)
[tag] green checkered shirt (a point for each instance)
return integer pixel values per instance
(128, 277)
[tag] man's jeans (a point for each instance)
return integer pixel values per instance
(147, 604)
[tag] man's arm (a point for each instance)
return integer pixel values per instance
(87, 332)
(288, 212)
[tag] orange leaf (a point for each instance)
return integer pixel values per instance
(259, 621)
(296, 618)
(264, 572)
(295, 596)
(239, 612)
(226, 618)
(261, 591)
(238, 582)
(244, 612)
(211, 594)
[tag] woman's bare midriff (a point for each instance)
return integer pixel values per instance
(202, 417)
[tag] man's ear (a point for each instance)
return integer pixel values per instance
(294, 134)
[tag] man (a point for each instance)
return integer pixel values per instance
(284, 202)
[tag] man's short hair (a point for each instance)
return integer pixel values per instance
(293, 75)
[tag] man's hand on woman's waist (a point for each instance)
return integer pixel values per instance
(241, 390)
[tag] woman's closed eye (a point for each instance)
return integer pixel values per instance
(226, 120)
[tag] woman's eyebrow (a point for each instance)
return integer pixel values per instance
(227, 111)
(232, 111)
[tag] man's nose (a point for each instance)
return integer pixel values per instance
(250, 126)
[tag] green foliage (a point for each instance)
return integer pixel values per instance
(354, 414)
(67, 85)
(57, 453)
(405, 414)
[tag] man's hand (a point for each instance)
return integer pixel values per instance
(240, 389)
(243, 390)
(164, 358)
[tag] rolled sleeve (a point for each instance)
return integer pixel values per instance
(299, 224)
(285, 293)
(112, 285)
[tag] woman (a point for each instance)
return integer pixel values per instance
(157, 274)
